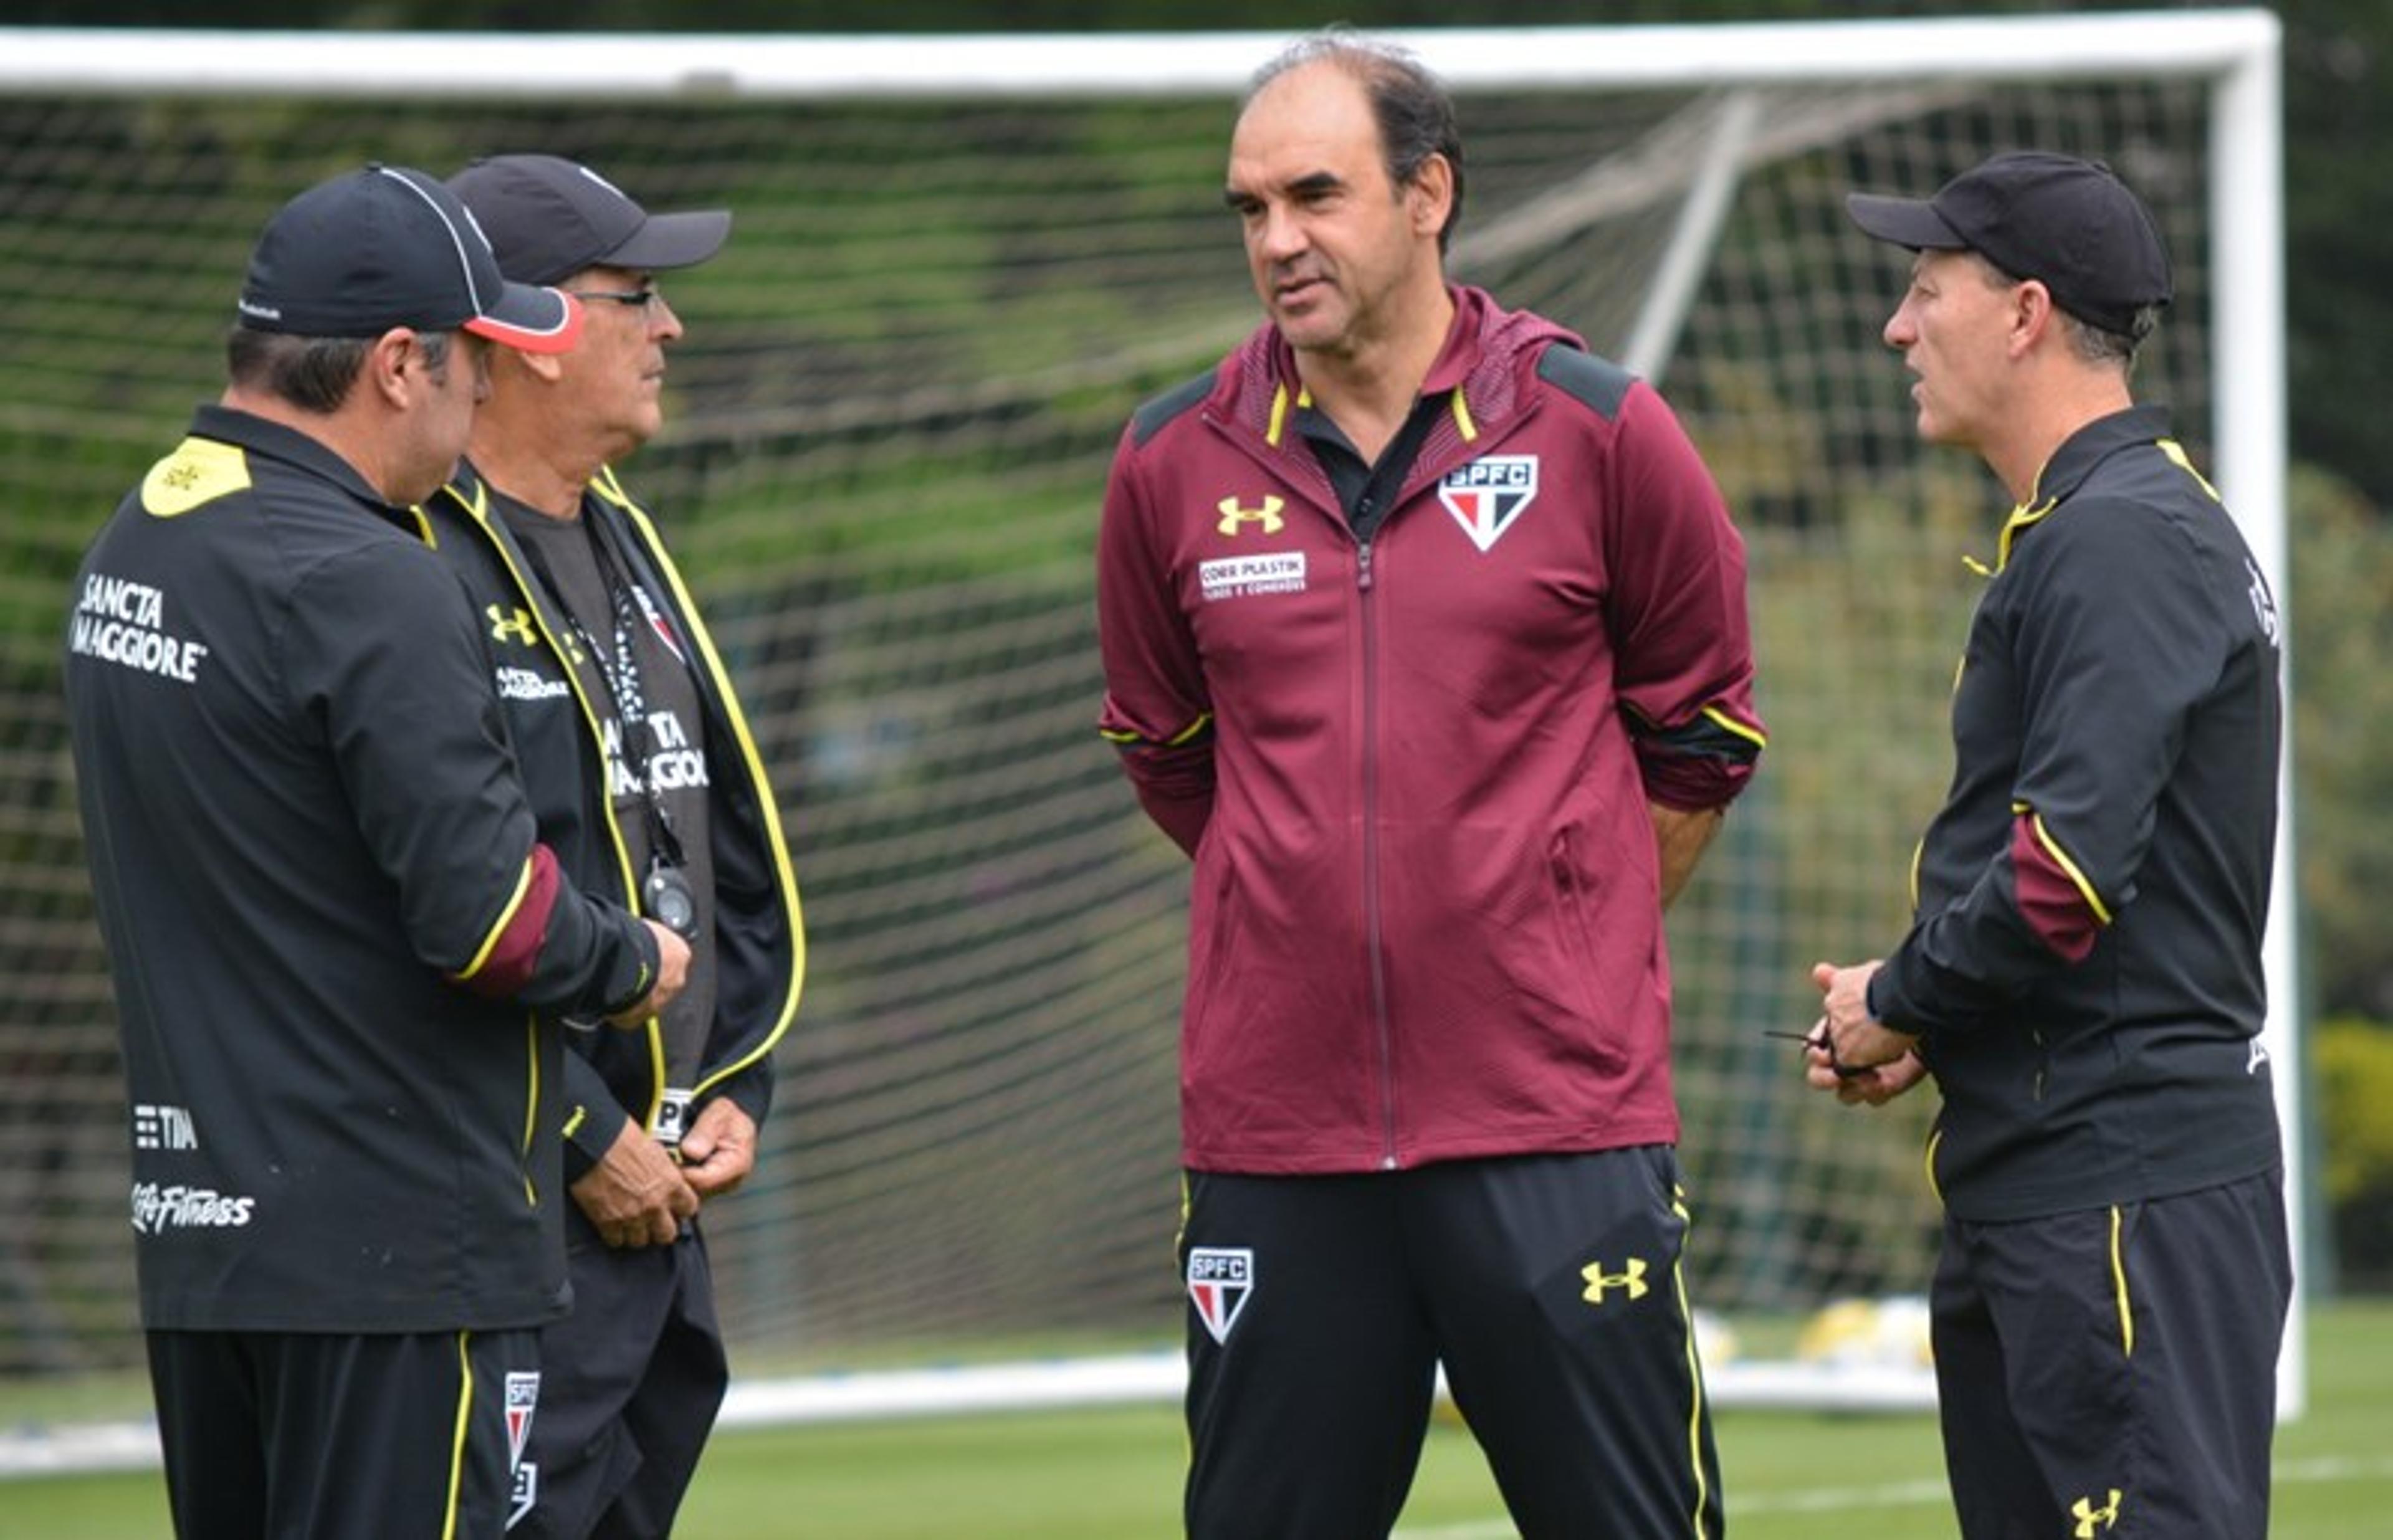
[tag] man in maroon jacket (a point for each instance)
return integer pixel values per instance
(1424, 634)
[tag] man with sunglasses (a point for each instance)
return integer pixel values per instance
(328, 910)
(644, 779)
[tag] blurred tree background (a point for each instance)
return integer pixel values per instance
(2338, 116)
(2338, 66)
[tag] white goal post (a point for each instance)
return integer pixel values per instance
(1685, 187)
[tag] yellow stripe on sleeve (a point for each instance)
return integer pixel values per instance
(2061, 858)
(1729, 723)
(498, 928)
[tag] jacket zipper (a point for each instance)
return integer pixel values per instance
(1364, 583)
(1372, 939)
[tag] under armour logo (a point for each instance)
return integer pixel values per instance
(2091, 1520)
(1233, 516)
(503, 625)
(1631, 1277)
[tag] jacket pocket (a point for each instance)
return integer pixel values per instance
(1575, 920)
(1212, 930)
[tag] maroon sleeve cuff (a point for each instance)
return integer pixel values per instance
(2052, 897)
(510, 955)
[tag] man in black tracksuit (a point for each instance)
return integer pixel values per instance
(646, 781)
(2083, 976)
(331, 921)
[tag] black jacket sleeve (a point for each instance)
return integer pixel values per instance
(386, 652)
(2116, 639)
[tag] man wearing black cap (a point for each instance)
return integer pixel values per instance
(330, 917)
(2083, 974)
(647, 782)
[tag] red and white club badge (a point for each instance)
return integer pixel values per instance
(1486, 495)
(1221, 1281)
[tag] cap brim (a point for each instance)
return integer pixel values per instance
(1904, 222)
(530, 320)
(672, 241)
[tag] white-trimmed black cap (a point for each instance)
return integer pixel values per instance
(390, 246)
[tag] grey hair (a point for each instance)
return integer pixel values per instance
(2094, 344)
(2087, 343)
(1414, 112)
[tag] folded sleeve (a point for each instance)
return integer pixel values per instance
(1683, 641)
(387, 656)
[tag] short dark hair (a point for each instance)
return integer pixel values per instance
(312, 373)
(1414, 112)
(2095, 343)
(2089, 343)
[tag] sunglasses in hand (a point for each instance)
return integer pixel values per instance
(1820, 1040)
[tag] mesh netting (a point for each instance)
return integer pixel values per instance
(889, 429)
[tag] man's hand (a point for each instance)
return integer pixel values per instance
(720, 1148)
(673, 972)
(1874, 1087)
(1848, 1033)
(636, 1196)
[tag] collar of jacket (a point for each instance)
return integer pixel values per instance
(258, 436)
(608, 488)
(1479, 367)
(2073, 462)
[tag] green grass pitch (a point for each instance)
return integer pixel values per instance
(1114, 1475)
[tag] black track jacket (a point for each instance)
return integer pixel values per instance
(760, 935)
(2084, 962)
(326, 912)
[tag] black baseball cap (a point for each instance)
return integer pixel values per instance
(549, 217)
(2068, 223)
(390, 246)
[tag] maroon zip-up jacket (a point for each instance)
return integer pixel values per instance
(1414, 772)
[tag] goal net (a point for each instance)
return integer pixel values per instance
(957, 266)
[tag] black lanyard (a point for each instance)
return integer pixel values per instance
(618, 675)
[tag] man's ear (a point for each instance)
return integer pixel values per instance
(395, 368)
(2032, 315)
(1430, 195)
(547, 368)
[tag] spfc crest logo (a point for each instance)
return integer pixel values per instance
(660, 623)
(1221, 1281)
(523, 1399)
(1486, 495)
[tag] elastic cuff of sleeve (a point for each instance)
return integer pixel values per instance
(647, 959)
(594, 1133)
(1879, 997)
(752, 1093)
